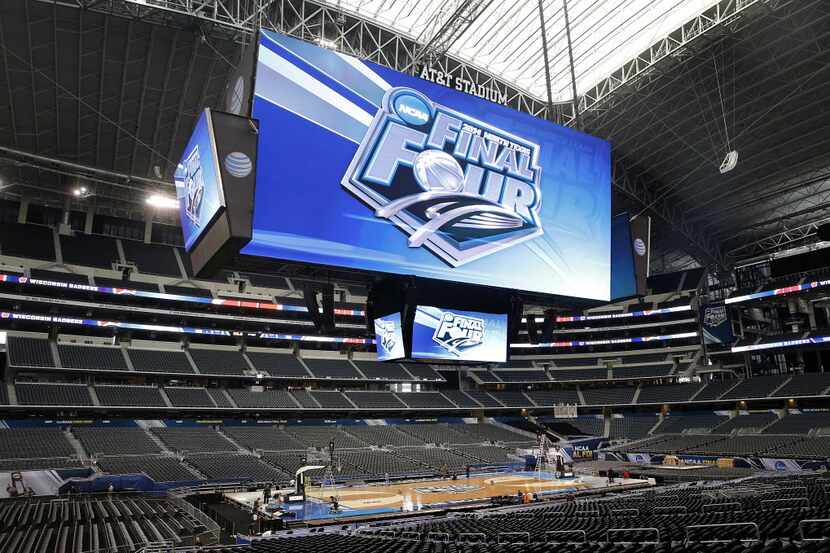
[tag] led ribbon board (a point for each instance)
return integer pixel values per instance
(363, 167)
(783, 344)
(779, 291)
(580, 343)
(222, 302)
(459, 335)
(644, 313)
(53, 319)
(389, 337)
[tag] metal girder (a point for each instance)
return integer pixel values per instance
(779, 240)
(705, 249)
(308, 20)
(726, 16)
(444, 31)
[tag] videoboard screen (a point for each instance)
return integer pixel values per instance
(459, 335)
(199, 182)
(389, 337)
(363, 167)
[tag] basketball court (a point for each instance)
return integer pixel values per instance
(419, 495)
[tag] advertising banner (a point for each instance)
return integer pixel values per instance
(716, 324)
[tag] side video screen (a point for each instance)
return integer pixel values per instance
(456, 335)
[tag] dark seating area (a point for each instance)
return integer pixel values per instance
(158, 467)
(278, 364)
(24, 351)
(92, 357)
(160, 361)
(609, 396)
(28, 241)
(546, 398)
(116, 441)
(331, 400)
(423, 372)
(154, 259)
(331, 368)
(219, 361)
(188, 397)
(375, 370)
(375, 400)
(129, 396)
(266, 399)
(667, 393)
(426, 400)
(90, 250)
(193, 440)
(36, 393)
(32, 443)
(805, 385)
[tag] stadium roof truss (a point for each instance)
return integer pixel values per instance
(673, 84)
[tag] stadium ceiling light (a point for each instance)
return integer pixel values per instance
(162, 202)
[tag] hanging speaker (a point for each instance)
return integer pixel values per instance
(823, 232)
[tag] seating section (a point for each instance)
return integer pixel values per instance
(375, 400)
(267, 399)
(29, 352)
(264, 438)
(760, 386)
(30, 241)
(694, 423)
(331, 368)
(805, 385)
(375, 370)
(800, 423)
(304, 399)
(493, 433)
(423, 372)
(562, 375)
(278, 364)
(154, 259)
(158, 467)
(236, 466)
(193, 440)
(219, 397)
(511, 399)
(32, 443)
(426, 400)
(331, 400)
(547, 398)
(116, 441)
(188, 397)
(35, 393)
(92, 357)
(631, 427)
(160, 361)
(523, 376)
(667, 393)
(752, 422)
(609, 396)
(461, 399)
(642, 371)
(129, 396)
(383, 435)
(219, 361)
(483, 398)
(89, 250)
(714, 390)
(320, 437)
(95, 523)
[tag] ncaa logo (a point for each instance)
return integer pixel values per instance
(456, 186)
(412, 109)
(458, 333)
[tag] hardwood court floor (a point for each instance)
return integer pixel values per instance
(414, 495)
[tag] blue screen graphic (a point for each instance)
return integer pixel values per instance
(623, 274)
(459, 335)
(389, 337)
(363, 167)
(198, 182)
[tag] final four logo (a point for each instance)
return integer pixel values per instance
(457, 186)
(457, 333)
